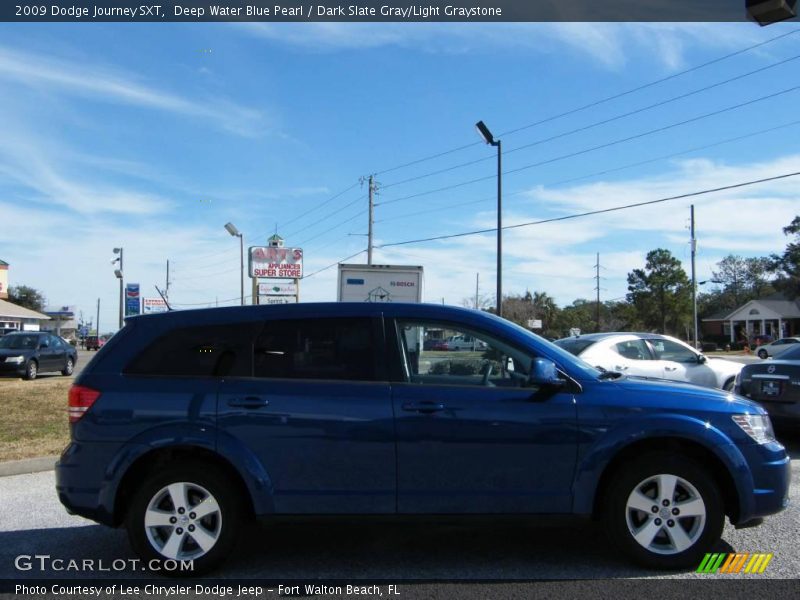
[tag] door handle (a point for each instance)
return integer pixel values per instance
(248, 402)
(670, 368)
(621, 368)
(423, 407)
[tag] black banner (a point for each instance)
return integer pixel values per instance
(376, 10)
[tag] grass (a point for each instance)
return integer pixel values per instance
(34, 419)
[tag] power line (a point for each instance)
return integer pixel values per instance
(330, 229)
(593, 212)
(341, 260)
(596, 123)
(603, 172)
(328, 201)
(599, 147)
(326, 217)
(596, 102)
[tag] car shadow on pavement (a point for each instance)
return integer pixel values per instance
(352, 549)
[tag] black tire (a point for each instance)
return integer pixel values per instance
(31, 370)
(663, 552)
(729, 385)
(763, 354)
(69, 367)
(225, 524)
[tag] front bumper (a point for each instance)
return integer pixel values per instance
(771, 469)
(7, 368)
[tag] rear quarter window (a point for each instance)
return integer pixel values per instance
(574, 345)
(199, 351)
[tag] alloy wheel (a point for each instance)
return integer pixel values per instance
(183, 521)
(665, 514)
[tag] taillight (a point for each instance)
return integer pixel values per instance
(80, 399)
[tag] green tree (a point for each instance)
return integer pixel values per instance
(661, 292)
(538, 305)
(787, 265)
(26, 296)
(742, 280)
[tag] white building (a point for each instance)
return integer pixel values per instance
(13, 316)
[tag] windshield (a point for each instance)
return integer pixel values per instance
(19, 342)
(791, 354)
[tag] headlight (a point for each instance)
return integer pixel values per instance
(15, 360)
(758, 427)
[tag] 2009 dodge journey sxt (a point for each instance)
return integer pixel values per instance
(186, 424)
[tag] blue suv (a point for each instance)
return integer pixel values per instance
(187, 424)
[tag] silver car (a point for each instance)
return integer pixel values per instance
(652, 355)
(777, 346)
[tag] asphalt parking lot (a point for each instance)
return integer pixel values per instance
(33, 522)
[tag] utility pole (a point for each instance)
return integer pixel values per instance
(694, 282)
(477, 287)
(97, 326)
(597, 289)
(371, 217)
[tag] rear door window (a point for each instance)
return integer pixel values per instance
(633, 350)
(324, 348)
(200, 351)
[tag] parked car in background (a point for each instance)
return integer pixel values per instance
(775, 384)
(777, 347)
(94, 343)
(188, 424)
(28, 353)
(652, 355)
(464, 342)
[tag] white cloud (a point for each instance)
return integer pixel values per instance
(611, 45)
(103, 83)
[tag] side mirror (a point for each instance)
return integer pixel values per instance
(701, 359)
(544, 373)
(44, 344)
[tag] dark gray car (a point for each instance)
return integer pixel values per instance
(28, 353)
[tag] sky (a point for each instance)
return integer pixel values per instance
(153, 136)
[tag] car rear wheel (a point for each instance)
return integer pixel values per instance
(186, 512)
(763, 354)
(32, 370)
(69, 367)
(664, 511)
(729, 385)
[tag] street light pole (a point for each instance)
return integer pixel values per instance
(231, 228)
(119, 274)
(489, 139)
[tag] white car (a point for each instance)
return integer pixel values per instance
(652, 355)
(465, 342)
(777, 347)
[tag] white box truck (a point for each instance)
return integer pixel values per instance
(380, 283)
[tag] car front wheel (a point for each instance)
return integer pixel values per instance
(32, 370)
(187, 512)
(664, 511)
(69, 367)
(763, 354)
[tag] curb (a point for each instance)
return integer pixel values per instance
(27, 465)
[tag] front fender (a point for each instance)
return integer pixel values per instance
(593, 461)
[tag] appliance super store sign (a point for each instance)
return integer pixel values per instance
(282, 263)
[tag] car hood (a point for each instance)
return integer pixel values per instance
(677, 394)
